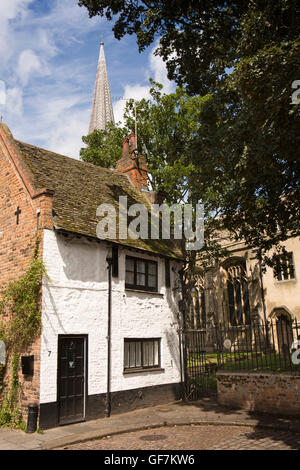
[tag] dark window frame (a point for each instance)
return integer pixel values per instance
(146, 287)
(238, 293)
(285, 268)
(143, 367)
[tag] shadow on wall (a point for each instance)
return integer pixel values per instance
(53, 313)
(83, 260)
(172, 334)
(173, 340)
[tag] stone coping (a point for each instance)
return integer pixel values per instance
(260, 373)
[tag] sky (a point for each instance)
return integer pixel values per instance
(49, 52)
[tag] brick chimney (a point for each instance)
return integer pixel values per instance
(132, 142)
(133, 164)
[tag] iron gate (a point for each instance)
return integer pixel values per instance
(200, 364)
(268, 346)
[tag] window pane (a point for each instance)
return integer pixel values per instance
(140, 270)
(129, 278)
(141, 267)
(141, 279)
(151, 281)
(126, 355)
(285, 269)
(238, 302)
(278, 271)
(291, 266)
(156, 353)
(231, 303)
(132, 355)
(152, 268)
(129, 264)
(138, 349)
(246, 302)
(145, 354)
(151, 351)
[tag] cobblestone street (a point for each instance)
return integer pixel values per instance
(196, 438)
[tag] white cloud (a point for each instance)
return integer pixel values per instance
(66, 137)
(158, 68)
(10, 10)
(57, 120)
(2, 93)
(158, 71)
(14, 101)
(28, 65)
(136, 92)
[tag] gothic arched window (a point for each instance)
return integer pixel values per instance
(238, 294)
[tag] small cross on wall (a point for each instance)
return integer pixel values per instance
(17, 214)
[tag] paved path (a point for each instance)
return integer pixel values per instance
(205, 411)
(196, 438)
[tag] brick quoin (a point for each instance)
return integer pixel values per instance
(17, 241)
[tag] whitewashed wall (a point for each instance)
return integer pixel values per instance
(75, 301)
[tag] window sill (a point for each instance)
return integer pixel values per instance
(158, 294)
(138, 371)
(284, 281)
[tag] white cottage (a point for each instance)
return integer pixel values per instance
(109, 339)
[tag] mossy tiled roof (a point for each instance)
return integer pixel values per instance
(79, 188)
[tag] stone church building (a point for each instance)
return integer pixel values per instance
(238, 290)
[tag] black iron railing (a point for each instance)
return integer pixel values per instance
(272, 346)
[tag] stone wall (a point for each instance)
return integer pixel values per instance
(264, 392)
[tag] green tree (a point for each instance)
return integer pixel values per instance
(246, 55)
(104, 147)
(167, 127)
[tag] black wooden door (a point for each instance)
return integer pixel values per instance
(71, 381)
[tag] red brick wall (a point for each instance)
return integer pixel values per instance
(17, 242)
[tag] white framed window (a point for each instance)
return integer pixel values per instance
(140, 354)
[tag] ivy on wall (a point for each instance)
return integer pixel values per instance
(20, 325)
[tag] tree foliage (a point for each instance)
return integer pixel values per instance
(167, 128)
(104, 147)
(246, 55)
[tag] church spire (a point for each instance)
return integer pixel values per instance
(102, 111)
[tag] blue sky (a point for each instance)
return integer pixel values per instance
(49, 52)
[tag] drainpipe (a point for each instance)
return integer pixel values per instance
(183, 345)
(108, 337)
